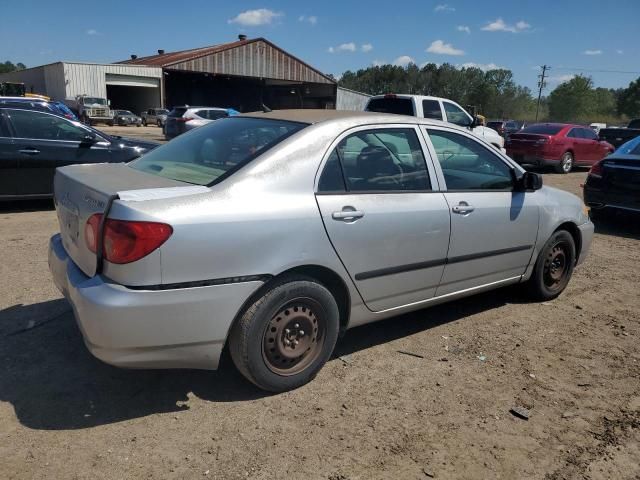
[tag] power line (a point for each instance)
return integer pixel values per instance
(541, 85)
(596, 71)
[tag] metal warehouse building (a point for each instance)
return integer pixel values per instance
(243, 75)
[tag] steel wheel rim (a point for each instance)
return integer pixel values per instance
(567, 163)
(556, 265)
(294, 337)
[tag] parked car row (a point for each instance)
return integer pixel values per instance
(185, 118)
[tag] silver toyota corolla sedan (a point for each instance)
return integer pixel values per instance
(272, 233)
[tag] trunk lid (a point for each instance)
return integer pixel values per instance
(82, 190)
(621, 176)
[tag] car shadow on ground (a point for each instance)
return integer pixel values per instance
(26, 206)
(618, 224)
(53, 382)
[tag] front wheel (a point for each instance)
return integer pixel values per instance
(284, 338)
(554, 267)
(566, 163)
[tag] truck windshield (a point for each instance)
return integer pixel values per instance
(401, 106)
(209, 154)
(94, 101)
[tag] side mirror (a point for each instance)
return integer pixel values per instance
(531, 181)
(89, 138)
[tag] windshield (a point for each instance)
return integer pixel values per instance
(94, 101)
(402, 106)
(211, 153)
(543, 129)
(632, 147)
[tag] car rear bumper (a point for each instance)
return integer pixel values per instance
(174, 328)
(600, 199)
(524, 158)
(586, 235)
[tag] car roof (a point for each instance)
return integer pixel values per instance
(408, 95)
(312, 116)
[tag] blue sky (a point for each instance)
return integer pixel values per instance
(335, 36)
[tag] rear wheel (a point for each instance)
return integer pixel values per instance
(554, 267)
(285, 337)
(566, 163)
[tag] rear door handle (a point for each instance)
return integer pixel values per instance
(347, 214)
(29, 151)
(462, 208)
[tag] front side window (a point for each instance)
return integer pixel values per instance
(456, 115)
(431, 109)
(42, 126)
(469, 165)
(376, 161)
(212, 152)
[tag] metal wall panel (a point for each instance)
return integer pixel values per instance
(256, 59)
(90, 79)
(351, 100)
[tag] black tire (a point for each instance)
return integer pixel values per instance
(554, 267)
(264, 357)
(566, 163)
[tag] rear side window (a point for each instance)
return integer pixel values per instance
(209, 154)
(211, 114)
(542, 129)
(431, 109)
(177, 112)
(588, 134)
(574, 133)
(374, 161)
(400, 106)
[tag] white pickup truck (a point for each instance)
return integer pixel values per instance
(436, 108)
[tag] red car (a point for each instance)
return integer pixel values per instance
(559, 144)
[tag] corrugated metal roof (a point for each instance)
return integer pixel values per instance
(196, 60)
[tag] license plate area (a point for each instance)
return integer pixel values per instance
(68, 217)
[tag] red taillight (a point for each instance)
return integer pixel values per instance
(91, 229)
(125, 241)
(596, 169)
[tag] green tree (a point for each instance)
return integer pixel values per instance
(573, 100)
(10, 67)
(629, 100)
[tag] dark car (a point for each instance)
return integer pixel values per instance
(558, 144)
(126, 118)
(614, 182)
(504, 127)
(52, 106)
(34, 143)
(619, 136)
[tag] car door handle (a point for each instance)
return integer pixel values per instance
(29, 151)
(462, 208)
(347, 214)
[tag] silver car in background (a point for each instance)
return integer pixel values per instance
(182, 119)
(272, 233)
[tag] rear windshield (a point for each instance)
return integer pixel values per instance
(401, 106)
(177, 112)
(542, 129)
(634, 123)
(209, 154)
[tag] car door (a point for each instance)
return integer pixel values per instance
(384, 214)
(9, 173)
(493, 227)
(578, 145)
(594, 150)
(43, 142)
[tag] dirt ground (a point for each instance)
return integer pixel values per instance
(371, 413)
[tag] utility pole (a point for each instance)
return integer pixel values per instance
(541, 85)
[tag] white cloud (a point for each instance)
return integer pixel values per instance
(345, 47)
(592, 52)
(312, 19)
(499, 25)
(366, 47)
(463, 28)
(379, 63)
(482, 66)
(619, 52)
(93, 32)
(403, 61)
(254, 18)
(560, 78)
(443, 7)
(440, 48)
